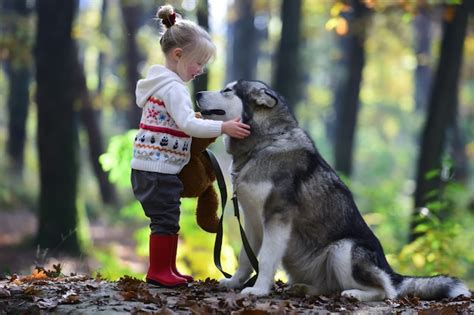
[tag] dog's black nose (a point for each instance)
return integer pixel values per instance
(198, 95)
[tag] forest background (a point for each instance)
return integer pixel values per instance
(385, 88)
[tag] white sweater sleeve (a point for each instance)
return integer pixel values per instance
(178, 105)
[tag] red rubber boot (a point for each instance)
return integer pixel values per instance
(161, 253)
(173, 261)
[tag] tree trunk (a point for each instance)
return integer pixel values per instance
(55, 54)
(441, 111)
(201, 82)
(89, 118)
(458, 152)
(346, 96)
(18, 70)
(131, 17)
(18, 101)
(288, 66)
(101, 58)
(242, 48)
(423, 74)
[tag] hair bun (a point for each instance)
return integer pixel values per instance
(167, 15)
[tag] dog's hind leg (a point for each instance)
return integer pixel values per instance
(358, 275)
(369, 283)
(275, 239)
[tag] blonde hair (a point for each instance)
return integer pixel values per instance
(195, 42)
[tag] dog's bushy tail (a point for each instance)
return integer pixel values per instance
(432, 288)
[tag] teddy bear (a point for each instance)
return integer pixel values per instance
(197, 177)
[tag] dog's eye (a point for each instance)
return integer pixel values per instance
(226, 90)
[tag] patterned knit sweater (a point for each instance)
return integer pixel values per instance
(168, 122)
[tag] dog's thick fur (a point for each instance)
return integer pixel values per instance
(299, 213)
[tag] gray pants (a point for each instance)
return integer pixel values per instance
(159, 194)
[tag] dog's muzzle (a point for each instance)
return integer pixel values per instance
(207, 112)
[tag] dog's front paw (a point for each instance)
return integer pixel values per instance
(230, 283)
(255, 291)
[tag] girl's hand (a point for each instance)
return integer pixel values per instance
(234, 128)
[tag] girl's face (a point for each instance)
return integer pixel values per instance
(189, 69)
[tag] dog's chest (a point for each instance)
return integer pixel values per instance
(252, 196)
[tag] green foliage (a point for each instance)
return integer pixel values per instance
(196, 250)
(116, 160)
(83, 231)
(385, 209)
(110, 267)
(17, 38)
(133, 211)
(446, 238)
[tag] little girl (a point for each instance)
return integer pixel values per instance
(162, 145)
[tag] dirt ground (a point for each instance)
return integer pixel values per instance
(40, 294)
(24, 290)
(17, 229)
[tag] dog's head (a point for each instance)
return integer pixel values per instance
(238, 99)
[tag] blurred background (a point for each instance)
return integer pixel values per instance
(384, 87)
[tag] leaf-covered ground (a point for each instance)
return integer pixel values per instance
(46, 291)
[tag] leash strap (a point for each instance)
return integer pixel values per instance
(219, 235)
(223, 191)
(248, 249)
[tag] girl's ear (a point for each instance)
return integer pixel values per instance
(176, 53)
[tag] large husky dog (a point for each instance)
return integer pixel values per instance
(298, 212)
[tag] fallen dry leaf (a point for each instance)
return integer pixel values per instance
(13, 278)
(4, 292)
(71, 297)
(37, 274)
(47, 303)
(92, 286)
(132, 289)
(409, 301)
(32, 290)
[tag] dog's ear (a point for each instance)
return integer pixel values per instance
(265, 97)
